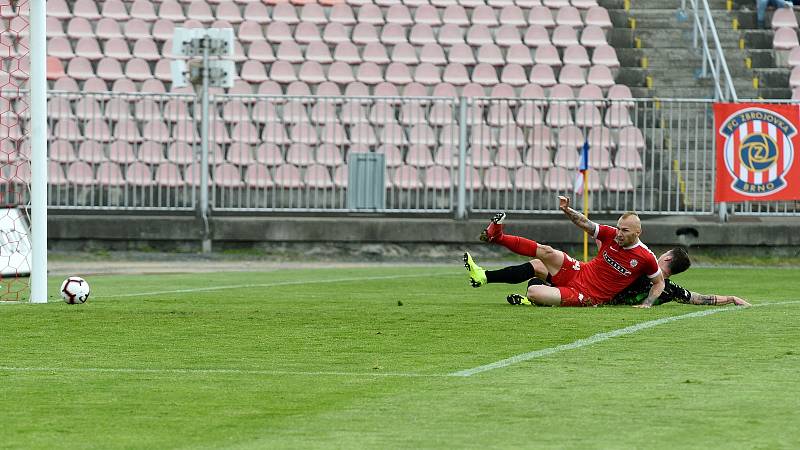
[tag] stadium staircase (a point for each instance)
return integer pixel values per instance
(653, 39)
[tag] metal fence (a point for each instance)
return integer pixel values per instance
(442, 155)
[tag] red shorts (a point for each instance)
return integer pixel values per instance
(568, 283)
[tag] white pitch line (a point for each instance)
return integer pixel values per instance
(215, 371)
(264, 285)
(600, 337)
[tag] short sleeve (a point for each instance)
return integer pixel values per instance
(605, 233)
(651, 266)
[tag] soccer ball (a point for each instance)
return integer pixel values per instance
(75, 290)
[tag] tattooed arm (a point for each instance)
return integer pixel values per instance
(577, 218)
(716, 300)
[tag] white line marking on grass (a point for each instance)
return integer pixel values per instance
(265, 285)
(600, 337)
(215, 371)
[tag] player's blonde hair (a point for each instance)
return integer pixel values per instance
(635, 216)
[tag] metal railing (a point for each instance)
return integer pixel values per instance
(443, 155)
(704, 33)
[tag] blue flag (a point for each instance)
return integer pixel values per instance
(583, 166)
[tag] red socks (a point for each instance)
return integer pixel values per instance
(518, 245)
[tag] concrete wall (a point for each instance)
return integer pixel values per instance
(127, 232)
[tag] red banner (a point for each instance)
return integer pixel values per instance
(756, 146)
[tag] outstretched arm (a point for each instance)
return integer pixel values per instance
(716, 300)
(655, 290)
(577, 218)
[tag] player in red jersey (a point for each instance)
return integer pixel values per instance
(622, 258)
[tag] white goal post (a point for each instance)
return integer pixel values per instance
(38, 137)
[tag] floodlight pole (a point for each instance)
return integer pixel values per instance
(206, 244)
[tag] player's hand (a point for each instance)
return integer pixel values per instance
(739, 301)
(563, 202)
(642, 305)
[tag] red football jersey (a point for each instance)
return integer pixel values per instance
(614, 268)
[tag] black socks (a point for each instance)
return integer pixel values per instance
(511, 274)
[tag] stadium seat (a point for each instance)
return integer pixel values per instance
(600, 76)
(288, 176)
(618, 116)
(559, 179)
(109, 174)
(168, 175)
(598, 16)
(61, 150)
(628, 158)
(98, 130)
(77, 27)
(508, 157)
(149, 152)
(479, 35)
(127, 130)
(785, 39)
(497, 178)
(138, 174)
(588, 115)
(227, 175)
(329, 155)
(600, 137)
(438, 177)
(784, 18)
(618, 180)
(527, 178)
(121, 152)
(54, 28)
(258, 176)
(564, 36)
(406, 177)
(92, 152)
(81, 173)
(631, 137)
(318, 176)
(55, 174)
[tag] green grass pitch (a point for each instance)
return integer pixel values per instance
(363, 358)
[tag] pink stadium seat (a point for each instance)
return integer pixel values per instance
(628, 158)
(146, 49)
(240, 154)
(92, 153)
(121, 152)
(250, 31)
(785, 39)
(108, 29)
(593, 36)
(67, 129)
(313, 13)
(168, 175)
(500, 114)
(149, 152)
(60, 47)
(564, 36)
(529, 115)
(329, 155)
(618, 180)
(77, 27)
(631, 137)
(180, 153)
(446, 155)
(527, 178)
(577, 55)
(584, 4)
(156, 130)
(618, 116)
(80, 68)
(567, 157)
(532, 91)
(144, 10)
(257, 12)
(507, 35)
(600, 137)
(491, 54)
(57, 108)
(784, 18)
(61, 151)
(59, 9)
(258, 176)
(433, 53)
(570, 137)
(512, 15)
(605, 55)
(473, 90)
(519, 54)
(419, 156)
(569, 16)
(269, 154)
(117, 48)
(318, 176)
(391, 153)
(480, 156)
(333, 133)
(427, 74)
(478, 35)
(497, 178)
(108, 69)
(228, 176)
(279, 32)
(303, 133)
(598, 16)
(89, 48)
(427, 15)
(229, 12)
(536, 36)
(170, 10)
(415, 89)
(599, 158)
(601, 76)
(421, 34)
(473, 179)
(139, 174)
(514, 75)
(438, 177)
(445, 89)
(88, 108)
(508, 156)
(450, 34)
(127, 130)
(541, 16)
(406, 177)
(484, 15)
(200, 10)
(482, 136)
(288, 176)
(163, 30)
(455, 15)
(98, 130)
(185, 131)
(393, 134)
(136, 29)
(66, 84)
(138, 69)
(793, 59)
(81, 174)
(559, 179)
(364, 33)
(370, 14)
(54, 28)
(564, 92)
(110, 174)
(588, 115)
(542, 75)
(485, 75)
(55, 174)
(538, 157)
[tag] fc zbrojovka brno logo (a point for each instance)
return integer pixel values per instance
(758, 150)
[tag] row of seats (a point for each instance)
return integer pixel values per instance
(319, 176)
(565, 48)
(341, 13)
(237, 114)
(353, 89)
(94, 152)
